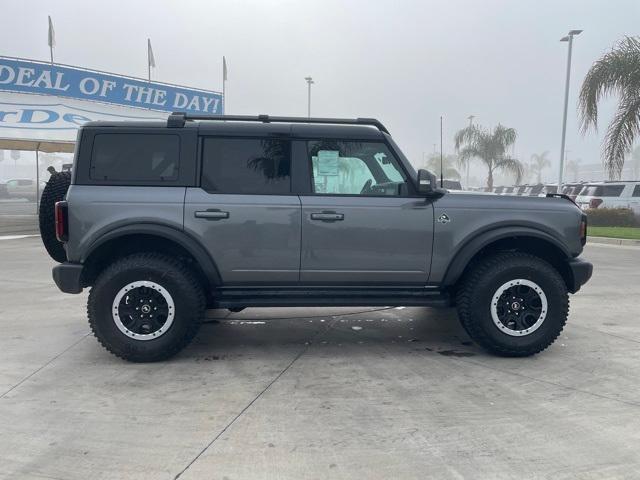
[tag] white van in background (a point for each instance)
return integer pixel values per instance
(612, 194)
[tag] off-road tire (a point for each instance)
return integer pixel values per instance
(475, 295)
(175, 277)
(54, 191)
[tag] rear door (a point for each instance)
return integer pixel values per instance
(244, 212)
(360, 222)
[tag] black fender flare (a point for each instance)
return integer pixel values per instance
(468, 250)
(195, 248)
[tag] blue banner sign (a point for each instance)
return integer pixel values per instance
(26, 76)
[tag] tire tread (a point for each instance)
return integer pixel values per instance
(54, 191)
(182, 273)
(465, 305)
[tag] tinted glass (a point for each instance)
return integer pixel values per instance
(636, 191)
(452, 184)
(135, 157)
(602, 190)
(535, 190)
(246, 165)
(354, 168)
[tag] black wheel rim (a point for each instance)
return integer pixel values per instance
(143, 310)
(519, 307)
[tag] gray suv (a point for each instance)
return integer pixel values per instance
(166, 219)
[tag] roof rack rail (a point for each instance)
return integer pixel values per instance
(178, 120)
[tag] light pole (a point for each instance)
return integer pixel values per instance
(309, 83)
(568, 38)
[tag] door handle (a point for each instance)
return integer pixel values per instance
(327, 216)
(211, 214)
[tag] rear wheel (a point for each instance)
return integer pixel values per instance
(513, 304)
(146, 307)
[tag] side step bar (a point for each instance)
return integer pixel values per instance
(330, 297)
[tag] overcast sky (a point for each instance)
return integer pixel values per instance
(404, 62)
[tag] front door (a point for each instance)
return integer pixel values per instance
(244, 212)
(360, 225)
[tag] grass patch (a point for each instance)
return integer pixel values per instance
(615, 232)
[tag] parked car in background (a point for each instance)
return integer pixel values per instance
(451, 184)
(533, 190)
(520, 189)
(572, 189)
(610, 194)
(548, 188)
(498, 190)
(508, 190)
(3, 190)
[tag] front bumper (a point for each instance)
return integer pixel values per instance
(68, 277)
(581, 271)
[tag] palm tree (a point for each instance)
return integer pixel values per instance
(527, 170)
(574, 167)
(448, 162)
(491, 148)
(539, 162)
(616, 72)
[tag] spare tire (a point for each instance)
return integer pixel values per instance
(54, 191)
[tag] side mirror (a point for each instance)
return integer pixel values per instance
(427, 182)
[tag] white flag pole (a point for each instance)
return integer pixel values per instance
(51, 38)
(224, 85)
(151, 61)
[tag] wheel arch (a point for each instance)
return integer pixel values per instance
(137, 238)
(522, 239)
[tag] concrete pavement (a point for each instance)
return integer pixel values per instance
(318, 393)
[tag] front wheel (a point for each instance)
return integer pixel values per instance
(513, 304)
(146, 307)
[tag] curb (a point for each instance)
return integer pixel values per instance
(613, 241)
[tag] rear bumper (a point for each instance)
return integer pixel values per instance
(67, 277)
(581, 271)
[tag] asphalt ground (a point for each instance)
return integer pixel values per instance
(319, 393)
(17, 217)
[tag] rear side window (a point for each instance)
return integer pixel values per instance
(130, 157)
(246, 166)
(636, 191)
(602, 190)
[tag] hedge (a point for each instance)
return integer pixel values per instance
(611, 217)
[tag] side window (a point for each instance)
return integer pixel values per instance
(636, 191)
(612, 190)
(246, 166)
(354, 168)
(131, 157)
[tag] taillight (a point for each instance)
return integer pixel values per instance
(595, 202)
(583, 230)
(62, 221)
